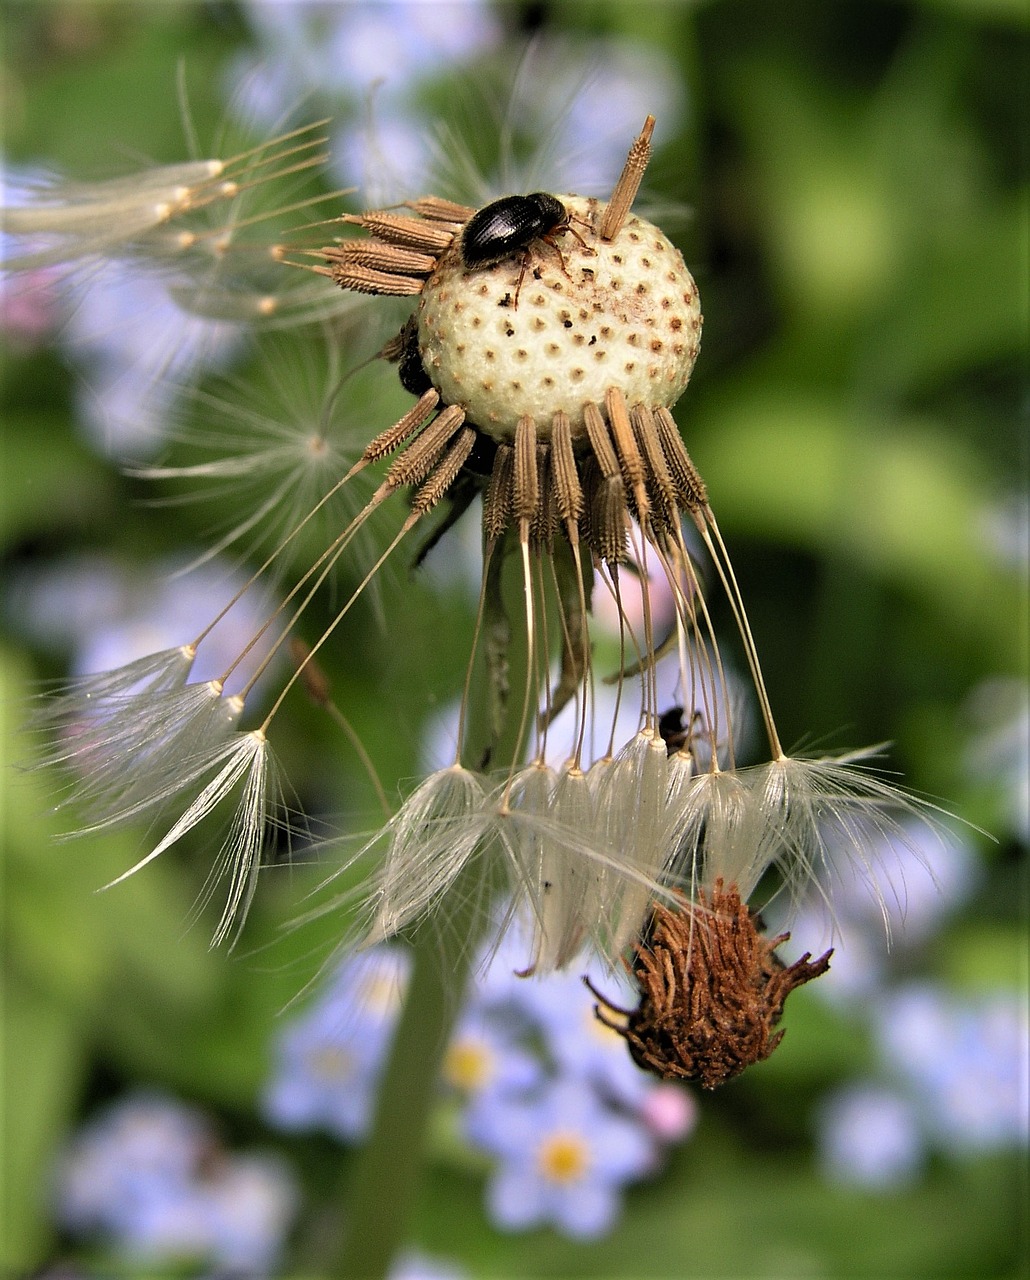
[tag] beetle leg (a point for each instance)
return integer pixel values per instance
(522, 275)
(573, 232)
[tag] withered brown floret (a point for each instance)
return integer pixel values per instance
(712, 990)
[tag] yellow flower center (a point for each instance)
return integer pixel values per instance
(563, 1157)
(380, 993)
(468, 1065)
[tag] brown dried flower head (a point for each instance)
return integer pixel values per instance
(712, 991)
(558, 365)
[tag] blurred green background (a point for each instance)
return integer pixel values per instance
(858, 185)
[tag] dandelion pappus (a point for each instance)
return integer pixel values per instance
(510, 226)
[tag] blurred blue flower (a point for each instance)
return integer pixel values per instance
(251, 1202)
(557, 1013)
(520, 1046)
(563, 1157)
(958, 1071)
(965, 1061)
(108, 615)
(342, 55)
(484, 1058)
(137, 1149)
(136, 350)
(914, 879)
(615, 83)
(329, 1058)
(580, 1045)
(397, 42)
(860, 956)
(576, 101)
(149, 1174)
(388, 156)
(332, 50)
(869, 1137)
(414, 1265)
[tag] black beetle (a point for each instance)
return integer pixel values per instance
(509, 226)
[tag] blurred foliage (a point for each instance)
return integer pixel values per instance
(858, 173)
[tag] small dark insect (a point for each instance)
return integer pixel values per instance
(404, 350)
(509, 226)
(673, 731)
(676, 735)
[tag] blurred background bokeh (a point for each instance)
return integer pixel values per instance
(848, 183)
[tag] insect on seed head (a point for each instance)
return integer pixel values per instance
(510, 225)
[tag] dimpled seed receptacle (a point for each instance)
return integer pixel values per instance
(623, 314)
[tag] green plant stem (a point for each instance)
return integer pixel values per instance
(385, 1179)
(387, 1174)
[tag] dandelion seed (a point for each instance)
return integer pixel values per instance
(635, 801)
(432, 838)
(94, 696)
(244, 764)
(85, 219)
(141, 741)
(193, 215)
(273, 446)
(138, 755)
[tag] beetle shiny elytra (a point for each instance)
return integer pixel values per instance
(508, 227)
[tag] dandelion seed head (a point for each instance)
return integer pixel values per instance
(622, 314)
